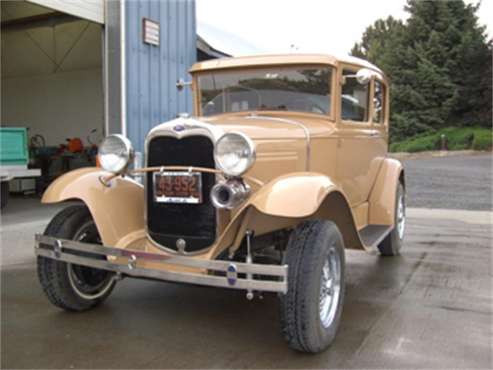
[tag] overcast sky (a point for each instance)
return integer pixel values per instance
(242, 27)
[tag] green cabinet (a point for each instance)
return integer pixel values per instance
(13, 146)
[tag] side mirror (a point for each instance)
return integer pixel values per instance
(181, 83)
(364, 76)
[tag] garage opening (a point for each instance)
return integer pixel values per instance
(52, 85)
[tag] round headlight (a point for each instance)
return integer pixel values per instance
(234, 153)
(115, 153)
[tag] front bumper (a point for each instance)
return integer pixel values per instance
(234, 275)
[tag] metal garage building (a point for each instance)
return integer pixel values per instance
(72, 68)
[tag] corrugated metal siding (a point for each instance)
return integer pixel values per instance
(152, 71)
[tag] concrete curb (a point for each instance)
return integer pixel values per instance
(471, 217)
(437, 154)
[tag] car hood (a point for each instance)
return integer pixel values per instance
(269, 127)
(282, 141)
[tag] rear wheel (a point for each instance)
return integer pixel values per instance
(392, 243)
(68, 286)
(311, 309)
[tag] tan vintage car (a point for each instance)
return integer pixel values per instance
(283, 165)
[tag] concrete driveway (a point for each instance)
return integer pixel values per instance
(429, 308)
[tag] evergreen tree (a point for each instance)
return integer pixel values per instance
(439, 65)
(378, 41)
(484, 100)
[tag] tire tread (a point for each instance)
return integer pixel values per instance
(302, 264)
(51, 273)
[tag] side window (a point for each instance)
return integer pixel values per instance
(354, 98)
(379, 103)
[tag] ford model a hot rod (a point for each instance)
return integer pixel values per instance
(282, 167)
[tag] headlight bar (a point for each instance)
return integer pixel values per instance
(140, 171)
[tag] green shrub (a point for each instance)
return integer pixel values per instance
(458, 138)
(482, 141)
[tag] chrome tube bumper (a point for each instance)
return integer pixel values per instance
(274, 276)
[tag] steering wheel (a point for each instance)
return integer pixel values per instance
(259, 98)
(305, 105)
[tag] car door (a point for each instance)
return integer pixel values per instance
(360, 142)
(380, 117)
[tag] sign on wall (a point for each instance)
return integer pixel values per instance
(151, 32)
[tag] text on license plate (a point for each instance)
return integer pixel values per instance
(178, 187)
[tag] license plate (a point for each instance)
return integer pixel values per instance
(178, 187)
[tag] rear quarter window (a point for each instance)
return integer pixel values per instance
(379, 102)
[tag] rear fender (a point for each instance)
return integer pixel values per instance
(117, 209)
(382, 196)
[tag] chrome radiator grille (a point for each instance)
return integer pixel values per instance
(195, 223)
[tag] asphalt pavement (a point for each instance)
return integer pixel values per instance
(431, 307)
(428, 308)
(454, 182)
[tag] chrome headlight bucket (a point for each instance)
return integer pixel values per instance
(234, 153)
(115, 153)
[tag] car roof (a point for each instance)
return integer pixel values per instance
(265, 60)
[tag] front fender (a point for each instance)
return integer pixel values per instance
(288, 200)
(297, 195)
(117, 209)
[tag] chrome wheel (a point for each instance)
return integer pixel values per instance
(401, 216)
(87, 282)
(330, 288)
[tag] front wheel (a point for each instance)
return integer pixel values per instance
(311, 309)
(68, 286)
(4, 194)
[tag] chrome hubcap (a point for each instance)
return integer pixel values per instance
(330, 288)
(401, 216)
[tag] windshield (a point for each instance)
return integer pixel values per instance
(300, 89)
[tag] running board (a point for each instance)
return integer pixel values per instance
(372, 235)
